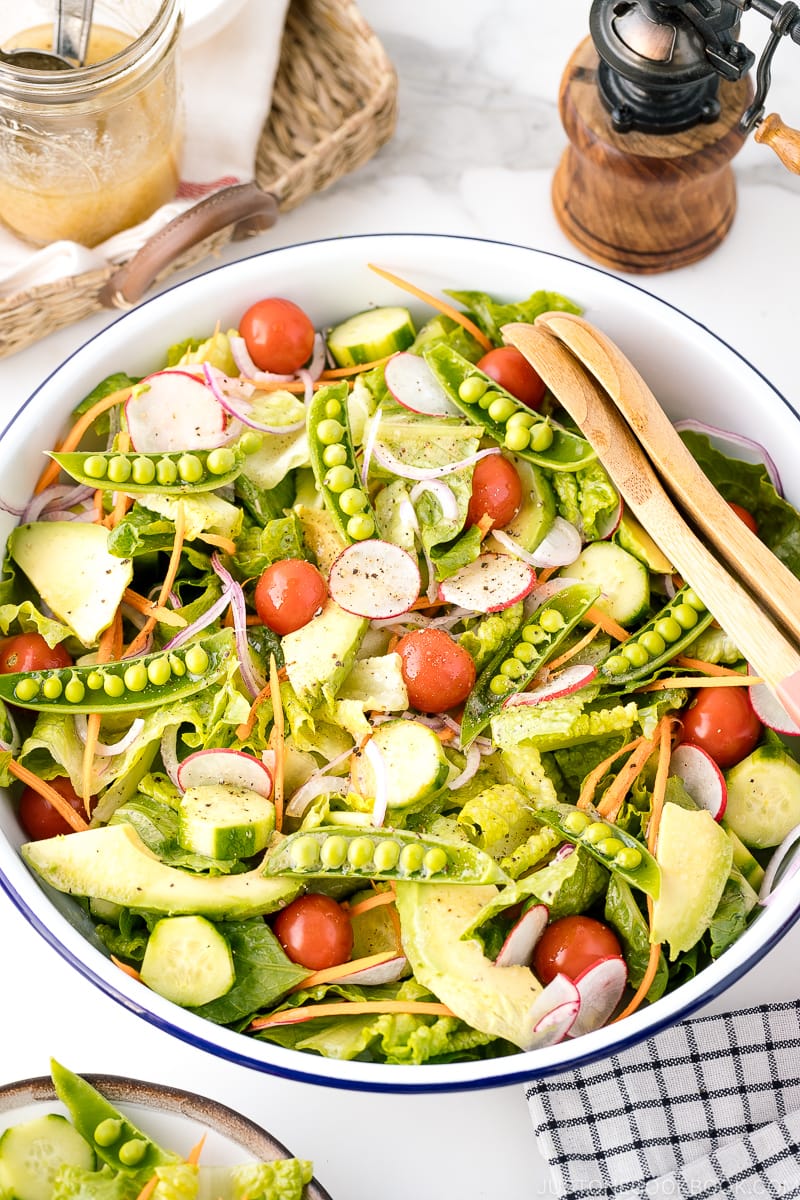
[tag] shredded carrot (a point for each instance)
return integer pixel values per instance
(333, 974)
(424, 602)
(149, 608)
(484, 525)
(613, 797)
(591, 781)
(128, 970)
(545, 574)
(109, 648)
(217, 539)
(607, 624)
(50, 794)
(276, 742)
(356, 369)
(394, 639)
(445, 735)
(148, 1188)
(250, 619)
(701, 681)
(441, 305)
(307, 1012)
(166, 587)
(576, 649)
(697, 664)
(193, 1157)
(97, 500)
(293, 386)
(121, 505)
(82, 425)
(375, 901)
(244, 730)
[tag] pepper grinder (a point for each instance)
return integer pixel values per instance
(656, 103)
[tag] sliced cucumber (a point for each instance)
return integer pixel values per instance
(32, 1152)
(415, 765)
(188, 961)
(743, 860)
(623, 580)
(763, 797)
(224, 822)
(369, 335)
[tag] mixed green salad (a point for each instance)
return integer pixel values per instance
(358, 714)
(97, 1153)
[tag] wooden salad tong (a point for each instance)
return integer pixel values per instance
(761, 642)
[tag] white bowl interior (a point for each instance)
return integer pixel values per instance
(692, 372)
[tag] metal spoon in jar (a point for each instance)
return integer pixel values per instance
(71, 28)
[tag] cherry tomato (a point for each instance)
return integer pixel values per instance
(278, 335)
(496, 491)
(745, 516)
(288, 594)
(510, 368)
(438, 673)
(315, 932)
(40, 819)
(30, 652)
(721, 721)
(571, 944)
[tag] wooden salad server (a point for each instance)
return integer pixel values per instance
(754, 562)
(761, 642)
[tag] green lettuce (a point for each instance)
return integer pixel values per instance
(714, 646)
(488, 634)
(280, 453)
(156, 823)
(524, 766)
(531, 852)
(586, 498)
(730, 919)
(264, 975)
(491, 315)
(395, 522)
(215, 350)
(624, 916)
(282, 1179)
(258, 548)
(554, 724)
(205, 512)
(498, 819)
(266, 504)
(75, 1183)
(568, 886)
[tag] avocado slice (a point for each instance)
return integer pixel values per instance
(112, 863)
(318, 657)
(634, 538)
(537, 512)
(69, 564)
(498, 1001)
(695, 855)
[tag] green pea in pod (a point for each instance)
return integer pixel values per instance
(333, 459)
(173, 474)
(609, 844)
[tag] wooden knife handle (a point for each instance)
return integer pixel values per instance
(781, 138)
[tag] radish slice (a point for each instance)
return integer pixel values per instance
(414, 385)
(554, 1012)
(600, 988)
(374, 579)
(518, 947)
(230, 768)
(563, 683)
(770, 711)
(389, 971)
(173, 410)
(702, 778)
(491, 583)
(608, 527)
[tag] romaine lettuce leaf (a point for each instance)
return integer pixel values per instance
(75, 1183)
(486, 636)
(585, 497)
(624, 916)
(264, 975)
(205, 512)
(498, 819)
(262, 504)
(280, 453)
(257, 548)
(282, 1179)
(491, 315)
(215, 350)
(730, 919)
(554, 724)
(568, 886)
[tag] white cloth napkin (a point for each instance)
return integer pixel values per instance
(228, 77)
(709, 1108)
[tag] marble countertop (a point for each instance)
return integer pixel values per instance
(477, 141)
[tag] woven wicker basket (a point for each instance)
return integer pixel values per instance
(333, 107)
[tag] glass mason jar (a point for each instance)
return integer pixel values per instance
(89, 151)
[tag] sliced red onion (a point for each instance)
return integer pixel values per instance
(669, 586)
(545, 591)
(317, 785)
(442, 492)
(563, 851)
(452, 618)
(473, 761)
(205, 619)
(409, 514)
(248, 368)
(16, 741)
(779, 856)
(560, 548)
(308, 386)
(738, 442)
(66, 514)
(169, 753)
(609, 525)
(377, 761)
(109, 749)
(432, 590)
(250, 677)
(217, 381)
(403, 471)
(369, 445)
(317, 364)
(145, 648)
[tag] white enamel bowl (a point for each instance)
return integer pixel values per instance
(691, 371)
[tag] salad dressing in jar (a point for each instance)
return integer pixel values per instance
(87, 152)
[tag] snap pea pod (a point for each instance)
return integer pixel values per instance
(331, 852)
(523, 654)
(333, 460)
(506, 419)
(127, 686)
(656, 643)
(611, 846)
(170, 474)
(114, 1139)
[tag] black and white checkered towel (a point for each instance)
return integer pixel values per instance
(709, 1108)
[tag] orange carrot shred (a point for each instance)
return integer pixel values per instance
(128, 970)
(246, 728)
(50, 794)
(276, 742)
(589, 786)
(543, 575)
(332, 974)
(357, 1008)
(193, 1157)
(576, 649)
(356, 369)
(484, 525)
(647, 980)
(149, 608)
(375, 901)
(97, 500)
(614, 795)
(701, 681)
(82, 425)
(148, 1188)
(217, 539)
(445, 735)
(441, 305)
(607, 624)
(166, 587)
(697, 664)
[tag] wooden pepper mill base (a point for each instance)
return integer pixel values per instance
(643, 202)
